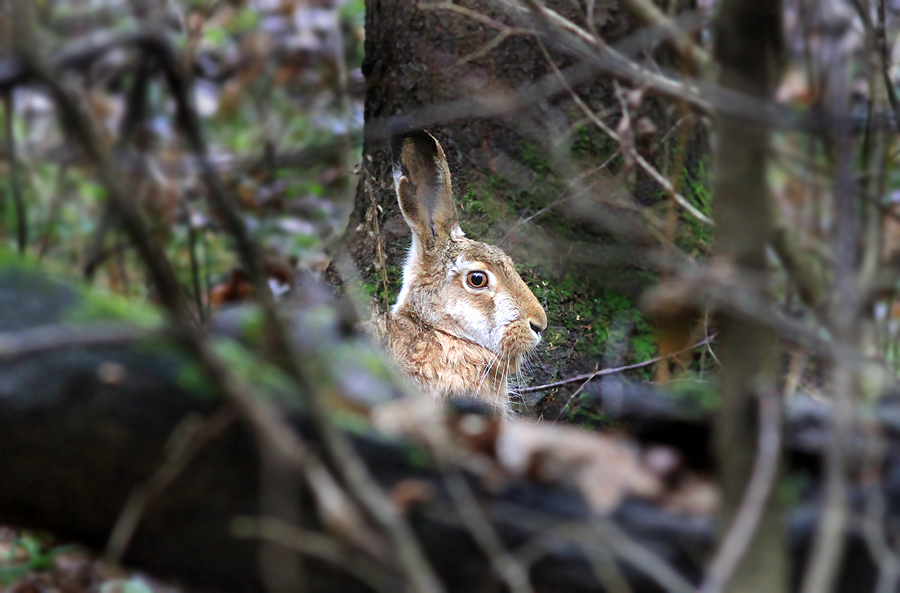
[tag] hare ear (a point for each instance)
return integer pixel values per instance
(422, 181)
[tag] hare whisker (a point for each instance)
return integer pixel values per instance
(505, 382)
(487, 370)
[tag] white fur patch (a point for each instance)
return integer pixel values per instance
(410, 273)
(475, 326)
(505, 312)
(472, 323)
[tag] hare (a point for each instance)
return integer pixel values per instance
(464, 320)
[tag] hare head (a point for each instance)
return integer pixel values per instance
(464, 320)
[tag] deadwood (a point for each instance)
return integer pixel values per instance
(89, 428)
(122, 432)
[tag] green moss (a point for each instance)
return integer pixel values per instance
(374, 288)
(253, 370)
(351, 422)
(94, 306)
(586, 319)
(690, 388)
(591, 147)
(589, 418)
(12, 259)
(531, 157)
(246, 366)
(469, 203)
(30, 552)
(694, 236)
(192, 379)
(253, 325)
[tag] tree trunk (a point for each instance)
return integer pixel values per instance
(505, 167)
(748, 43)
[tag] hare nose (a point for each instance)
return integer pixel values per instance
(537, 326)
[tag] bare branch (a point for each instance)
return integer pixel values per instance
(659, 178)
(747, 519)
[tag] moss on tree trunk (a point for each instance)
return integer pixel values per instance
(587, 266)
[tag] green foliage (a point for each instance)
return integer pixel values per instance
(790, 488)
(354, 10)
(245, 20)
(37, 556)
(592, 145)
(251, 369)
(696, 237)
(531, 157)
(692, 389)
(247, 367)
(94, 306)
(469, 203)
(582, 318)
(588, 417)
(375, 289)
(193, 379)
(418, 457)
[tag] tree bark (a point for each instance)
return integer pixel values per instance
(504, 166)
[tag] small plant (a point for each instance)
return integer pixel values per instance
(28, 552)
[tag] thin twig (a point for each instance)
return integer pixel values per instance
(507, 566)
(562, 197)
(641, 557)
(195, 267)
(885, 72)
(604, 57)
(316, 545)
(600, 555)
(505, 31)
(274, 435)
(601, 372)
(195, 436)
(649, 14)
(56, 203)
(626, 147)
(372, 218)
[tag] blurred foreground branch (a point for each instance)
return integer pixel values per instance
(98, 421)
(748, 44)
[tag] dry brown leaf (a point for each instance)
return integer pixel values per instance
(408, 493)
(675, 318)
(695, 495)
(604, 469)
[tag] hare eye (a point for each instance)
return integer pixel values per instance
(477, 279)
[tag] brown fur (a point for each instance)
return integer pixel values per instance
(450, 338)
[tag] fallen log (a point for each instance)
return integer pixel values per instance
(84, 427)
